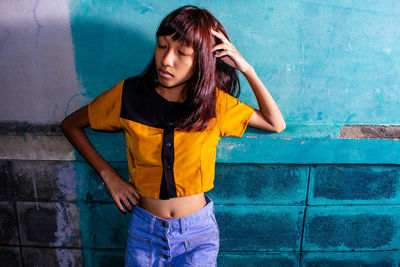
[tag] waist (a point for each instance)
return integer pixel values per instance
(174, 207)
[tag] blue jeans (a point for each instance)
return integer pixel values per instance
(192, 240)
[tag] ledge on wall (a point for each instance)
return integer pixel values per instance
(297, 144)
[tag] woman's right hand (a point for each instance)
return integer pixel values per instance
(121, 190)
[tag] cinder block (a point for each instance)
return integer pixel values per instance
(45, 257)
(260, 184)
(8, 224)
(355, 184)
(108, 257)
(370, 259)
(345, 228)
(44, 180)
(49, 224)
(62, 181)
(259, 228)
(110, 226)
(6, 189)
(10, 257)
(239, 259)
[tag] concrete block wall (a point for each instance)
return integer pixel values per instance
(59, 213)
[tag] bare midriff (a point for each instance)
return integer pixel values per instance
(174, 207)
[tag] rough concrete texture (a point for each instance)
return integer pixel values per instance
(260, 227)
(10, 256)
(34, 147)
(258, 259)
(101, 257)
(111, 227)
(61, 181)
(370, 259)
(260, 184)
(347, 228)
(25, 127)
(8, 224)
(370, 132)
(50, 224)
(6, 187)
(45, 257)
(45, 180)
(354, 184)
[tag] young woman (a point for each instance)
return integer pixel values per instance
(173, 115)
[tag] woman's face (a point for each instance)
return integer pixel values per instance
(174, 61)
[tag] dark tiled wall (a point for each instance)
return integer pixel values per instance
(59, 213)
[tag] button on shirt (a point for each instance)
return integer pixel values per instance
(165, 162)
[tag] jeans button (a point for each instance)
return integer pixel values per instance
(164, 224)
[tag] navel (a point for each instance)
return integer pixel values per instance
(172, 214)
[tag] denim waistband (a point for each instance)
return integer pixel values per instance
(174, 224)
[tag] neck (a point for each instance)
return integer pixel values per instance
(173, 93)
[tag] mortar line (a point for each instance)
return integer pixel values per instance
(304, 214)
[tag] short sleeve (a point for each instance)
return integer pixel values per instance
(104, 111)
(234, 115)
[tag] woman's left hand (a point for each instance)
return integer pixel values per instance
(229, 54)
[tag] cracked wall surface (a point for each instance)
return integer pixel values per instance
(38, 79)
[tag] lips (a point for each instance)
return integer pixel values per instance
(164, 73)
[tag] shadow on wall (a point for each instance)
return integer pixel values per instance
(106, 53)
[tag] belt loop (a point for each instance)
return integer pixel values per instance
(181, 220)
(153, 220)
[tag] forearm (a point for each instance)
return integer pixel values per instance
(80, 141)
(266, 103)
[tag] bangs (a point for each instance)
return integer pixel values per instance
(184, 29)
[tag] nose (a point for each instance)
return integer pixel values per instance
(168, 58)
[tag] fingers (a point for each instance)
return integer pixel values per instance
(222, 53)
(132, 199)
(220, 47)
(127, 204)
(221, 36)
(134, 192)
(123, 191)
(118, 202)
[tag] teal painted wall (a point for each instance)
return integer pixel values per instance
(324, 62)
(327, 64)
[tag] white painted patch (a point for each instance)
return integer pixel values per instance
(66, 181)
(65, 257)
(38, 74)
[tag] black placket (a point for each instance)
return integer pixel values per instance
(168, 189)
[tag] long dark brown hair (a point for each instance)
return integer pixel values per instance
(192, 26)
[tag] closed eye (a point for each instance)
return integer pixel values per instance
(182, 53)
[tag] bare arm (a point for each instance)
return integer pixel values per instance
(269, 118)
(73, 126)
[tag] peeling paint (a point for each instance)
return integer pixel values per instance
(370, 132)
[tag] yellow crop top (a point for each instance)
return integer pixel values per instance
(164, 162)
